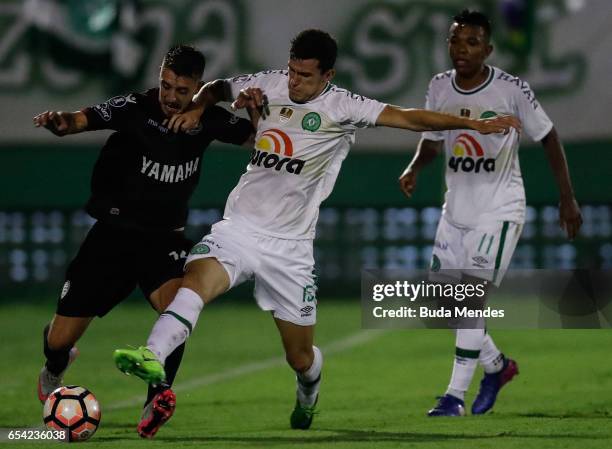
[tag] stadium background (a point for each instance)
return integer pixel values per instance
(69, 54)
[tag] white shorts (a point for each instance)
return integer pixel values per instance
(282, 269)
(483, 252)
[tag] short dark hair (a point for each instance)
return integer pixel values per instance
(185, 60)
(315, 44)
(474, 18)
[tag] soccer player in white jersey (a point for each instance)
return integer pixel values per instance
(267, 232)
(484, 209)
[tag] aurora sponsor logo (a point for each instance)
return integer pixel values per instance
(274, 149)
(468, 156)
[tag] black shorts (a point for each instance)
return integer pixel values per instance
(112, 261)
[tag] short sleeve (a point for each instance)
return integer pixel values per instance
(357, 110)
(263, 80)
(112, 114)
(535, 121)
(430, 105)
(226, 127)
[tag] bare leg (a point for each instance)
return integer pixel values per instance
(297, 341)
(307, 362)
(59, 338)
(207, 278)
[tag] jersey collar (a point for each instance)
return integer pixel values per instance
(476, 89)
(329, 85)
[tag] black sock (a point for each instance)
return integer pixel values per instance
(171, 367)
(57, 359)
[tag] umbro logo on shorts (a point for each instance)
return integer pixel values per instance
(480, 261)
(306, 310)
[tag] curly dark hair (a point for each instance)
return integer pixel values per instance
(474, 18)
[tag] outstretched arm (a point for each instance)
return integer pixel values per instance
(423, 120)
(427, 150)
(62, 123)
(570, 217)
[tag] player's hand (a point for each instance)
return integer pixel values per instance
(184, 121)
(407, 181)
(501, 124)
(252, 98)
(570, 217)
(55, 121)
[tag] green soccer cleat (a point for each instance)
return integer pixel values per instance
(301, 417)
(140, 362)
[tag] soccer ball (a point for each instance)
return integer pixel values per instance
(72, 409)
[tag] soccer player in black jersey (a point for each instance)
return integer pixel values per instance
(140, 187)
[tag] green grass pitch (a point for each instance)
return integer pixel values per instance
(235, 391)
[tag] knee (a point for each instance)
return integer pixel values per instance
(193, 282)
(197, 279)
(162, 297)
(300, 360)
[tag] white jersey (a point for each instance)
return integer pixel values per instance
(299, 149)
(483, 176)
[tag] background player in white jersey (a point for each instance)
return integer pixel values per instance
(303, 136)
(484, 209)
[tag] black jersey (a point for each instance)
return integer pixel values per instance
(145, 173)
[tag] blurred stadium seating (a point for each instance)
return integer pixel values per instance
(67, 54)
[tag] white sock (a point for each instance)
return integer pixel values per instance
(175, 324)
(468, 344)
(491, 358)
(309, 381)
